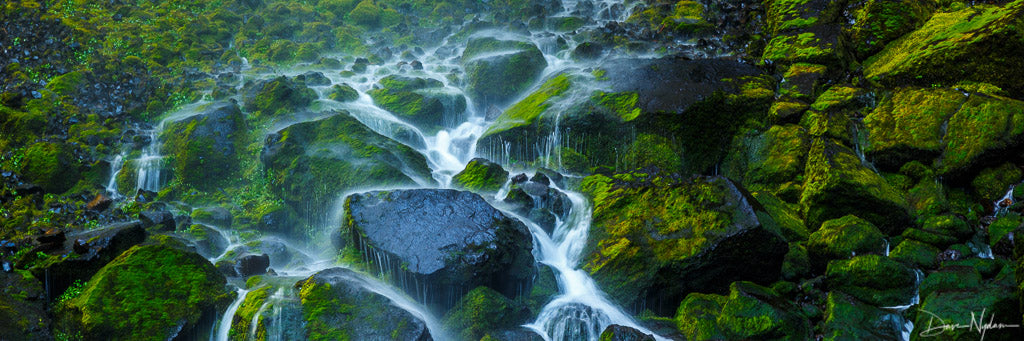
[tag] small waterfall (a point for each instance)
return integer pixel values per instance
(581, 311)
(1002, 205)
(224, 326)
(150, 163)
(115, 169)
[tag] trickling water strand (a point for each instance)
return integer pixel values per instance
(115, 169)
(224, 327)
(150, 163)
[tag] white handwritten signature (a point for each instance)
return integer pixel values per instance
(977, 324)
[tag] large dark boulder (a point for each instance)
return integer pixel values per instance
(438, 244)
(204, 148)
(84, 253)
(338, 305)
(650, 232)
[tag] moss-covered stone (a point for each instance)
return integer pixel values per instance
(750, 311)
(980, 133)
(837, 184)
(343, 93)
(950, 278)
(649, 231)
(421, 101)
(317, 161)
(909, 125)
(847, 318)
(979, 44)
(277, 96)
(23, 313)
(241, 323)
(776, 156)
(844, 238)
(147, 293)
(52, 166)
(528, 110)
(787, 215)
(483, 310)
(916, 254)
(874, 279)
(337, 305)
(650, 151)
(498, 70)
(993, 183)
(797, 262)
(206, 146)
(878, 22)
(481, 176)
(802, 81)
(818, 45)
(985, 304)
(949, 225)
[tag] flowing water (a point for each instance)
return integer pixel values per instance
(580, 311)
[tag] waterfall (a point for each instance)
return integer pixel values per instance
(224, 326)
(115, 169)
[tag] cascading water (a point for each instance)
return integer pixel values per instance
(115, 169)
(224, 326)
(150, 162)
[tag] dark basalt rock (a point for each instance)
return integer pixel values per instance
(85, 253)
(445, 241)
(158, 220)
(337, 301)
(622, 333)
(252, 264)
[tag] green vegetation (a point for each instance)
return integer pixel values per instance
(526, 111)
(483, 310)
(144, 294)
(481, 176)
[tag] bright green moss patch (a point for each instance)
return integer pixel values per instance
(526, 111)
(750, 311)
(145, 294)
(799, 47)
(241, 323)
(621, 103)
(875, 279)
(983, 126)
(343, 93)
(51, 165)
(843, 238)
(980, 43)
(877, 22)
(484, 310)
(481, 175)
(908, 125)
(993, 183)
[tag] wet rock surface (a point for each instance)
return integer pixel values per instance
(441, 239)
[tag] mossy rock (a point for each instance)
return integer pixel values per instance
(277, 96)
(802, 81)
(787, 110)
(993, 183)
(23, 310)
(908, 125)
(648, 231)
(838, 184)
(319, 160)
(775, 156)
(793, 15)
(981, 133)
(122, 302)
(833, 125)
(964, 307)
(241, 323)
(343, 93)
(815, 45)
(499, 70)
(526, 112)
(844, 238)
(650, 151)
(205, 148)
(874, 279)
(481, 176)
(916, 254)
(787, 215)
(423, 102)
(951, 278)
(338, 305)
(979, 44)
(483, 310)
(878, 22)
(750, 311)
(847, 318)
(797, 262)
(51, 165)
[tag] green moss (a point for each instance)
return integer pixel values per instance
(803, 47)
(838, 98)
(343, 93)
(777, 156)
(874, 279)
(951, 278)
(916, 254)
(481, 175)
(847, 318)
(749, 311)
(982, 127)
(697, 315)
(787, 215)
(878, 22)
(52, 166)
(279, 96)
(66, 84)
(648, 229)
(241, 323)
(909, 125)
(838, 184)
(317, 304)
(622, 103)
(526, 111)
(993, 183)
(498, 70)
(973, 44)
(421, 101)
(144, 294)
(366, 14)
(844, 238)
(483, 310)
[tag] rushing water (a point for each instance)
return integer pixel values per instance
(580, 311)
